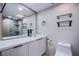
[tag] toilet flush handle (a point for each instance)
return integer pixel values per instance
(49, 40)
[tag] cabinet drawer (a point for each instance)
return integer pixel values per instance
(21, 50)
(9, 52)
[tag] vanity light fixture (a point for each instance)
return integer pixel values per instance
(43, 22)
(20, 16)
(9, 16)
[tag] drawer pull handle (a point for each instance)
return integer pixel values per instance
(17, 46)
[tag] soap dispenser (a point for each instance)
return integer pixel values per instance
(30, 30)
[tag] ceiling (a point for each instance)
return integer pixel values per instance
(12, 10)
(38, 6)
(16, 10)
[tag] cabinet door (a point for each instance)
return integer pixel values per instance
(9, 52)
(42, 46)
(34, 48)
(37, 48)
(21, 50)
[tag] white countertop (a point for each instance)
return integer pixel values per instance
(12, 37)
(6, 44)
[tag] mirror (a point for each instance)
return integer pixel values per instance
(11, 27)
(17, 20)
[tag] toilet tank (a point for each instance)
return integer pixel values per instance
(63, 49)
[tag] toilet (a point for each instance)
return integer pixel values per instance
(63, 49)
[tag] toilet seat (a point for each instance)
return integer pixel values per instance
(63, 49)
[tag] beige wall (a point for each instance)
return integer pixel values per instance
(62, 34)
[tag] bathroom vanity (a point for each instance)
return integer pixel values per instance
(23, 46)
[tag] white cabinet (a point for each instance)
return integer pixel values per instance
(21, 50)
(34, 48)
(42, 45)
(37, 48)
(9, 52)
(50, 48)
